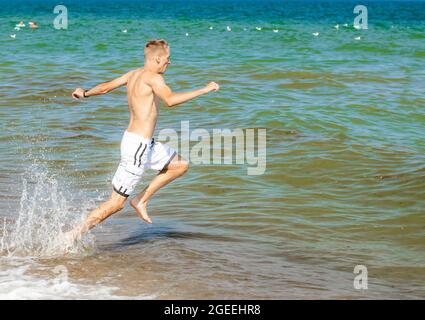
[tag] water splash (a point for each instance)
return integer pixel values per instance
(48, 208)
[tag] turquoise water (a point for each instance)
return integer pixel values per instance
(345, 177)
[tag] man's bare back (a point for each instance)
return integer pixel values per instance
(143, 105)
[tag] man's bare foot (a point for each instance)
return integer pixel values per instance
(141, 209)
(71, 237)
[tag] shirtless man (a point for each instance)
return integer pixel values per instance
(139, 151)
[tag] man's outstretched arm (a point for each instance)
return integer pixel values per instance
(171, 98)
(102, 88)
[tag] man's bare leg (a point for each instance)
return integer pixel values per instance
(176, 168)
(114, 204)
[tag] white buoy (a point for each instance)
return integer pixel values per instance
(258, 28)
(187, 34)
(336, 27)
(124, 31)
(345, 25)
(315, 34)
(229, 29)
(357, 38)
(13, 36)
(211, 28)
(276, 30)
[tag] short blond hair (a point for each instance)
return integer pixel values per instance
(155, 47)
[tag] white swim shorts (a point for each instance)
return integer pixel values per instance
(137, 155)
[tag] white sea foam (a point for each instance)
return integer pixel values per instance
(19, 282)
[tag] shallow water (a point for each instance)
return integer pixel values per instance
(345, 177)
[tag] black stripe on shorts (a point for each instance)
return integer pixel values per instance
(140, 157)
(169, 160)
(135, 155)
(120, 192)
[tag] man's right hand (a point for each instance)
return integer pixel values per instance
(78, 93)
(212, 86)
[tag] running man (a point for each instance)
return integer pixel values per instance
(139, 151)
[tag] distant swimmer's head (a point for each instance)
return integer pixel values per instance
(157, 54)
(33, 25)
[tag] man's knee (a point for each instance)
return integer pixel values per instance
(119, 206)
(178, 166)
(115, 204)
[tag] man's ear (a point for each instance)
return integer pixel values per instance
(158, 59)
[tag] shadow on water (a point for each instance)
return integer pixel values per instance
(145, 235)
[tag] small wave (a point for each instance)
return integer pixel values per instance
(100, 47)
(301, 85)
(419, 54)
(367, 48)
(79, 128)
(289, 75)
(81, 137)
(37, 138)
(405, 175)
(417, 36)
